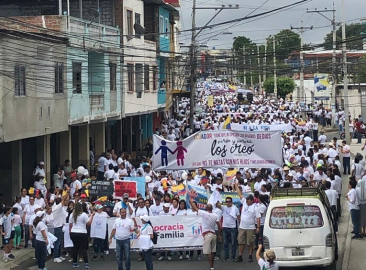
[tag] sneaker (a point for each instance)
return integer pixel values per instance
(62, 258)
(106, 252)
(44, 269)
(180, 257)
(75, 265)
(80, 259)
(199, 258)
(6, 259)
(90, 244)
(11, 256)
(216, 258)
(70, 260)
(250, 258)
(169, 258)
(161, 258)
(187, 256)
(57, 260)
(94, 258)
(86, 266)
(239, 259)
(102, 258)
(67, 254)
(226, 259)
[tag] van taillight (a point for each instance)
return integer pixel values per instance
(329, 240)
(266, 242)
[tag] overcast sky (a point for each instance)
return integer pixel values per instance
(261, 28)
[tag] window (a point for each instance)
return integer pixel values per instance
(113, 76)
(59, 78)
(161, 25)
(147, 77)
(129, 23)
(139, 80)
(138, 21)
(19, 78)
(130, 77)
(155, 77)
(76, 78)
(296, 217)
(166, 27)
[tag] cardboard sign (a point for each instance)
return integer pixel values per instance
(122, 187)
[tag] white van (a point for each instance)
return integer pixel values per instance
(299, 228)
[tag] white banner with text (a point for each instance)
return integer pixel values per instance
(219, 148)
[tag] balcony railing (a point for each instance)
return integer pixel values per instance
(96, 103)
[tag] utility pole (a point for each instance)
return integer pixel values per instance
(274, 67)
(193, 55)
(244, 71)
(251, 73)
(302, 29)
(265, 62)
(332, 81)
(259, 70)
(345, 76)
(193, 70)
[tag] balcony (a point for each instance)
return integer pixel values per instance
(80, 32)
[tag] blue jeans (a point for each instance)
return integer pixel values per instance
(57, 245)
(359, 137)
(148, 259)
(41, 253)
(123, 250)
(230, 237)
(346, 165)
(355, 216)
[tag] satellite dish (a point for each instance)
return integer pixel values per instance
(139, 30)
(93, 12)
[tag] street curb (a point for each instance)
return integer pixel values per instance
(347, 251)
(20, 258)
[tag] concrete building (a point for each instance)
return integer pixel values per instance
(88, 78)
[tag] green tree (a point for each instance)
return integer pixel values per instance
(353, 32)
(287, 41)
(240, 42)
(285, 86)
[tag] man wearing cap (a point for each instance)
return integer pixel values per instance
(209, 220)
(39, 178)
(125, 204)
(248, 220)
(122, 228)
(75, 184)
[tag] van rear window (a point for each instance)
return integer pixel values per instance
(296, 217)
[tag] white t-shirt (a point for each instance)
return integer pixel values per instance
(346, 148)
(261, 211)
(38, 231)
(332, 196)
(24, 201)
(230, 216)
(208, 221)
(265, 265)
(59, 217)
(7, 222)
(123, 227)
(248, 216)
(139, 212)
(80, 225)
(156, 209)
(74, 186)
(29, 211)
(40, 202)
(353, 202)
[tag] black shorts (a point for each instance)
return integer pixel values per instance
(6, 241)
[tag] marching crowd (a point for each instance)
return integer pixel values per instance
(62, 220)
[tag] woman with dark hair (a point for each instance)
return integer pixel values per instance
(17, 224)
(41, 242)
(145, 235)
(78, 233)
(174, 207)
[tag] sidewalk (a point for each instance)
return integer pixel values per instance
(20, 256)
(354, 255)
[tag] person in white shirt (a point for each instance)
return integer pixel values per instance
(322, 138)
(248, 218)
(122, 228)
(39, 178)
(75, 185)
(332, 198)
(269, 259)
(259, 183)
(209, 220)
(353, 206)
(99, 220)
(346, 151)
(102, 162)
(230, 215)
(59, 219)
(145, 235)
(157, 207)
(41, 241)
(140, 210)
(110, 173)
(261, 212)
(79, 235)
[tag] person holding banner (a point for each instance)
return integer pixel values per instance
(122, 229)
(209, 220)
(98, 231)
